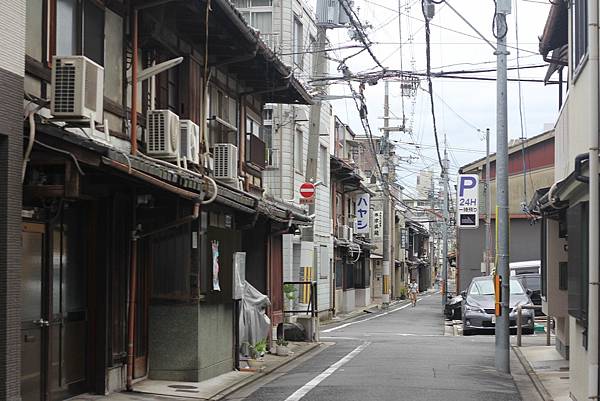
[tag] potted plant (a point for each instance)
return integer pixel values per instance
(282, 347)
(290, 294)
(257, 351)
(402, 291)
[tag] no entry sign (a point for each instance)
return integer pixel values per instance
(307, 190)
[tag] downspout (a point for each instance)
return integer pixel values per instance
(134, 82)
(132, 296)
(594, 229)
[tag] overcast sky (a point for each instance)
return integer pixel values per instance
(455, 100)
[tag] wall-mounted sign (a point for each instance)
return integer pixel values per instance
(404, 238)
(361, 224)
(468, 201)
(307, 193)
(378, 224)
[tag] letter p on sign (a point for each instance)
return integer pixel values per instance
(466, 182)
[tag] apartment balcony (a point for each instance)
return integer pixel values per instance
(272, 40)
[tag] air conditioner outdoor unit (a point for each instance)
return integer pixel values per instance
(77, 89)
(226, 159)
(343, 232)
(189, 141)
(163, 134)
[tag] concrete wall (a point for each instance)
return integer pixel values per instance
(578, 367)
(525, 244)
(12, 72)
(204, 341)
(556, 301)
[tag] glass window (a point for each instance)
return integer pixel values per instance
(66, 27)
(579, 34)
(262, 22)
(298, 41)
(324, 162)
(299, 151)
(93, 32)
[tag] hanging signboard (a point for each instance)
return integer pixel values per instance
(378, 224)
(404, 238)
(468, 201)
(361, 224)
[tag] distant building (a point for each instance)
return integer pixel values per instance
(537, 155)
(425, 184)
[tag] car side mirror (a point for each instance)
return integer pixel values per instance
(529, 292)
(463, 294)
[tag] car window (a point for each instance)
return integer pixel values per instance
(516, 288)
(532, 282)
(482, 287)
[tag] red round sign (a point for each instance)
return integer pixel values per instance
(307, 190)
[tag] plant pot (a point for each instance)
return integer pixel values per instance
(402, 297)
(257, 364)
(283, 350)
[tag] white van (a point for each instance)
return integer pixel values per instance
(528, 267)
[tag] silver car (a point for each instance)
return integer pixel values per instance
(478, 310)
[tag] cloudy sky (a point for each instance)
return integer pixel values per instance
(461, 106)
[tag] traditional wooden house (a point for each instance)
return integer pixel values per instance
(142, 179)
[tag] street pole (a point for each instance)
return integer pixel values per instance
(502, 217)
(385, 293)
(488, 206)
(445, 232)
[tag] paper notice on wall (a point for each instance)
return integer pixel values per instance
(215, 260)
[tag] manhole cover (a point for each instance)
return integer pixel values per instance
(183, 387)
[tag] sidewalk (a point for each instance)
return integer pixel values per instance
(544, 365)
(213, 389)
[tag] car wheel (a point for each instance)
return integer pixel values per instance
(465, 331)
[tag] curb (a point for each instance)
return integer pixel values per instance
(537, 383)
(373, 310)
(259, 375)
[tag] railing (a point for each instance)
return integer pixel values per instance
(520, 326)
(308, 292)
(271, 40)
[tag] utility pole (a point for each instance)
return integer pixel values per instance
(487, 256)
(503, 8)
(445, 230)
(385, 293)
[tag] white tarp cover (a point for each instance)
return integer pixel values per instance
(254, 323)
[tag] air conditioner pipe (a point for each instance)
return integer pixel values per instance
(579, 159)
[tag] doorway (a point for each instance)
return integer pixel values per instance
(54, 328)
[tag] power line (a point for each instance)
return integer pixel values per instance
(430, 83)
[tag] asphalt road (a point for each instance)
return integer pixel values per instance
(400, 355)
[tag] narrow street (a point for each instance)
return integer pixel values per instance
(401, 355)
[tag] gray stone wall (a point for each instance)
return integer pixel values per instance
(190, 342)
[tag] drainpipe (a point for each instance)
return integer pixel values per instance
(132, 297)
(594, 231)
(134, 81)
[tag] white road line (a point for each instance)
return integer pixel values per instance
(302, 391)
(371, 318)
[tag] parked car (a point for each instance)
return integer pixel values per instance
(526, 267)
(529, 272)
(453, 308)
(533, 283)
(478, 308)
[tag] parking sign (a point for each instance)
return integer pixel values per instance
(468, 201)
